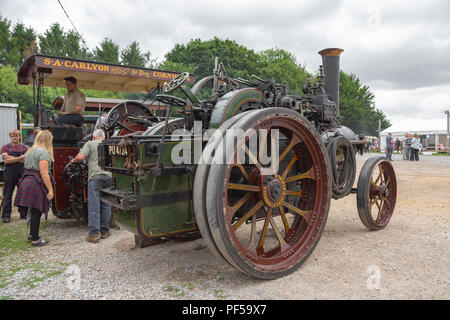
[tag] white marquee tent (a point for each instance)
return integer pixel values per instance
(432, 132)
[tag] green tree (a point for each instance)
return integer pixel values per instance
(5, 39)
(21, 40)
(74, 46)
(132, 56)
(15, 44)
(31, 49)
(56, 42)
(52, 42)
(357, 106)
(281, 66)
(107, 52)
(198, 55)
(12, 92)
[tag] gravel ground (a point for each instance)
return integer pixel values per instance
(409, 259)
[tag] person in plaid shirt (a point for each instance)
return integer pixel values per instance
(35, 188)
(13, 155)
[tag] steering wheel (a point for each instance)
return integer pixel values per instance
(75, 175)
(171, 100)
(176, 82)
(111, 121)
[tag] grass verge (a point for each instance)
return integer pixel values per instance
(13, 239)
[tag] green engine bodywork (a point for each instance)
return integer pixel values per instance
(232, 103)
(155, 220)
(152, 220)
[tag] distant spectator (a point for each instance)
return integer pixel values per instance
(407, 146)
(397, 145)
(389, 146)
(415, 147)
(30, 140)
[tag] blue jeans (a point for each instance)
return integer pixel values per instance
(406, 153)
(99, 212)
(389, 153)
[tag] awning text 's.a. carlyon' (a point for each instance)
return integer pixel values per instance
(108, 69)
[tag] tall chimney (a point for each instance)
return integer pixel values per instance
(330, 58)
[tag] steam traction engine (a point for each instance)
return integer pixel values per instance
(262, 221)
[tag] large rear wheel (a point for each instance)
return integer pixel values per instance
(200, 182)
(268, 221)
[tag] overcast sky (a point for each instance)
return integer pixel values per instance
(400, 49)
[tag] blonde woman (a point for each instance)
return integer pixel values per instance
(35, 188)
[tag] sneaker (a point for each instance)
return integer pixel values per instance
(40, 243)
(93, 238)
(105, 235)
(6, 220)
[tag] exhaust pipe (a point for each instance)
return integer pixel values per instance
(330, 58)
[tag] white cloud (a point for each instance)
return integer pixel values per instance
(399, 48)
(415, 107)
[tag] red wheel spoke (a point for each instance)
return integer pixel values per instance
(373, 184)
(241, 202)
(382, 175)
(278, 233)
(244, 173)
(294, 141)
(388, 182)
(244, 187)
(294, 193)
(379, 177)
(266, 227)
(253, 159)
(380, 211)
(307, 175)
(376, 202)
(372, 203)
(289, 167)
(297, 210)
(285, 222)
(247, 216)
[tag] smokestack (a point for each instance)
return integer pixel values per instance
(330, 58)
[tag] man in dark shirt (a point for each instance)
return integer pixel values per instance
(13, 155)
(389, 146)
(397, 145)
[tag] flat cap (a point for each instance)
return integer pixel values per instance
(71, 79)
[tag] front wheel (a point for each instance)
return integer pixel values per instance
(376, 193)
